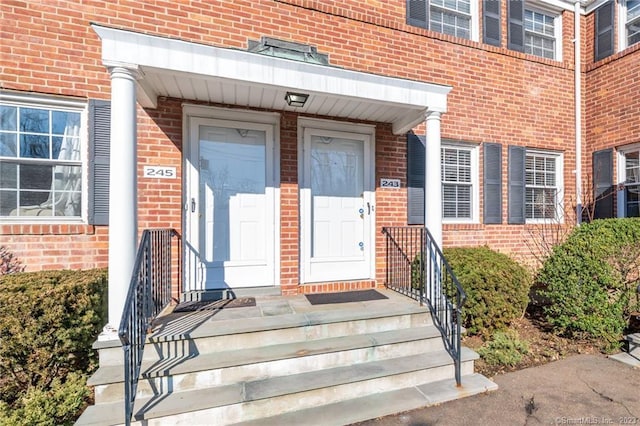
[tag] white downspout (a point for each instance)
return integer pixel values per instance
(578, 109)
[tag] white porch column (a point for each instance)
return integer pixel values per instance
(432, 178)
(123, 208)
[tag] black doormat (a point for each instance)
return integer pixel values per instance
(214, 305)
(345, 297)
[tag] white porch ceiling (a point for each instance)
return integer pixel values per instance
(190, 71)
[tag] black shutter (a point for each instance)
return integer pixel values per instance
(491, 21)
(418, 13)
(99, 141)
(516, 25)
(604, 31)
(517, 156)
(603, 184)
(492, 171)
(415, 179)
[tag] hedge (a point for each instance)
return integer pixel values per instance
(48, 322)
(497, 288)
(589, 282)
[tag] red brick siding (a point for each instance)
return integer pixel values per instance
(498, 96)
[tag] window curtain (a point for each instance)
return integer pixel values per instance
(67, 179)
(66, 187)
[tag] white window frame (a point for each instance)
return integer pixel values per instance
(622, 177)
(60, 104)
(559, 159)
(623, 42)
(474, 33)
(557, 26)
(475, 181)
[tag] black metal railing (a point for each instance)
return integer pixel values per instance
(417, 268)
(149, 293)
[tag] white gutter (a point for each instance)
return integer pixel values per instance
(578, 109)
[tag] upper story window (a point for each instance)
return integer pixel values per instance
(452, 17)
(543, 185)
(539, 34)
(628, 24)
(535, 29)
(459, 182)
(41, 165)
(631, 12)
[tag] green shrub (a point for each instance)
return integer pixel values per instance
(48, 323)
(505, 348)
(57, 405)
(589, 281)
(497, 288)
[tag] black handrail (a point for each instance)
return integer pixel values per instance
(417, 268)
(149, 293)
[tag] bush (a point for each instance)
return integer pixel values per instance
(48, 323)
(505, 348)
(589, 281)
(497, 288)
(57, 405)
(9, 264)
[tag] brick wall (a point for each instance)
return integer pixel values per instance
(612, 98)
(498, 96)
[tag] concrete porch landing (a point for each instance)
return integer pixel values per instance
(285, 361)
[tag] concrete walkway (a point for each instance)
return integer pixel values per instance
(582, 389)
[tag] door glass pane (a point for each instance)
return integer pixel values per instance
(337, 186)
(337, 167)
(232, 193)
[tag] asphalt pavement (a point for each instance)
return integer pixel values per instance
(578, 390)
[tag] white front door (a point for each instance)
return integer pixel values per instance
(231, 205)
(337, 206)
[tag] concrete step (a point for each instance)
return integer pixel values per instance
(180, 336)
(633, 345)
(380, 404)
(255, 399)
(218, 369)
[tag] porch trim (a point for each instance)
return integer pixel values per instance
(170, 67)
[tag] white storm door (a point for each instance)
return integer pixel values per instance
(337, 206)
(232, 205)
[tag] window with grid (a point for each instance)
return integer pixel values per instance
(452, 17)
(633, 22)
(541, 192)
(539, 34)
(632, 183)
(457, 183)
(40, 161)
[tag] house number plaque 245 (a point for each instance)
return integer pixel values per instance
(160, 172)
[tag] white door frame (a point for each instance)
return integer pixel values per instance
(348, 130)
(193, 115)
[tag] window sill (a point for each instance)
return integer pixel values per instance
(461, 226)
(46, 229)
(544, 222)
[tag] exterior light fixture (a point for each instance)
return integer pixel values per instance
(296, 99)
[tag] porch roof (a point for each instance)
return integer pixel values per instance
(179, 69)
